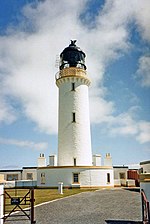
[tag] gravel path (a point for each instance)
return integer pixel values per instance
(91, 208)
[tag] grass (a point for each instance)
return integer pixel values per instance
(40, 195)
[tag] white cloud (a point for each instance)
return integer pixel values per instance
(126, 125)
(28, 53)
(142, 17)
(143, 71)
(7, 112)
(24, 144)
(123, 124)
(144, 132)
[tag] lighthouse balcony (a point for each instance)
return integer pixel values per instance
(71, 72)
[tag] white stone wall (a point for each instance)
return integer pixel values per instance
(97, 161)
(146, 187)
(88, 177)
(33, 171)
(74, 138)
(11, 172)
(118, 170)
(41, 161)
(53, 160)
(146, 168)
(145, 184)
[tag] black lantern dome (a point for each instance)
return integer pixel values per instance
(72, 56)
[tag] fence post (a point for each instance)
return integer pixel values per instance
(1, 204)
(60, 188)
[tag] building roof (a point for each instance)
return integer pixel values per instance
(29, 167)
(124, 167)
(145, 162)
(75, 167)
(18, 170)
(5, 171)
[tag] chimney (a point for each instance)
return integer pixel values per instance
(41, 160)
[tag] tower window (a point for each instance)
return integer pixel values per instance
(74, 161)
(73, 117)
(73, 86)
(75, 178)
(108, 178)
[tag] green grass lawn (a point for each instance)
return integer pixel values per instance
(40, 195)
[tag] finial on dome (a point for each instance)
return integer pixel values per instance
(73, 42)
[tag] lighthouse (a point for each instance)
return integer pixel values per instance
(74, 168)
(74, 136)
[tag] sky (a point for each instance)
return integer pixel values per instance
(115, 36)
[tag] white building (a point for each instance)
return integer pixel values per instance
(145, 178)
(145, 166)
(120, 175)
(75, 176)
(75, 167)
(25, 177)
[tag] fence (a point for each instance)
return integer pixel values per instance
(145, 208)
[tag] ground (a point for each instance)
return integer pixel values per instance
(101, 206)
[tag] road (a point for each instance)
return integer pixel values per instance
(102, 206)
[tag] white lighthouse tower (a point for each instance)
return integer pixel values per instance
(75, 168)
(74, 137)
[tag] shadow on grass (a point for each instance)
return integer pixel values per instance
(122, 222)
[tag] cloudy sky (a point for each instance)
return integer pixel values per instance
(115, 35)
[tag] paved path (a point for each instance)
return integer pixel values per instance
(101, 206)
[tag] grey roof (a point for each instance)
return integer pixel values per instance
(145, 162)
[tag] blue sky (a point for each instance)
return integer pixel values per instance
(115, 36)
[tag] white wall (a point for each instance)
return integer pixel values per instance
(22, 174)
(146, 187)
(11, 172)
(97, 161)
(108, 160)
(146, 167)
(88, 177)
(53, 160)
(118, 170)
(33, 171)
(41, 160)
(74, 138)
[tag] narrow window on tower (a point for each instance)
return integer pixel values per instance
(73, 117)
(73, 86)
(74, 161)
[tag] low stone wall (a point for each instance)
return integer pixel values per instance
(117, 183)
(124, 183)
(130, 183)
(145, 184)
